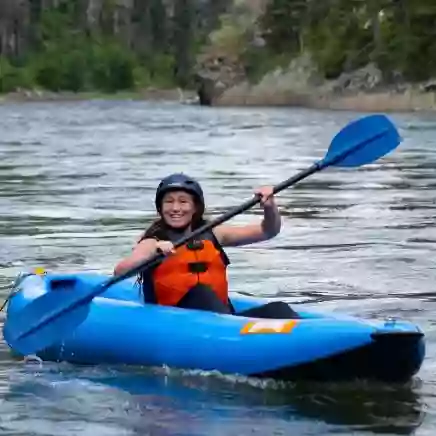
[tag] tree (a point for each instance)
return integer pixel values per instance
(182, 40)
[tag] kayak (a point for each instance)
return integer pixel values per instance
(121, 329)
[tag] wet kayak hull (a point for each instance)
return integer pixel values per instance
(120, 329)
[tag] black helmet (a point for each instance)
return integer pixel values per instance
(182, 182)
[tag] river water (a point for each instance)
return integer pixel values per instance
(77, 185)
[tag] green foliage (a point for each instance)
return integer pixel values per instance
(69, 57)
(182, 41)
(12, 78)
(284, 20)
(410, 37)
(161, 70)
(154, 45)
(111, 68)
(260, 61)
(398, 35)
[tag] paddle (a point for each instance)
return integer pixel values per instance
(44, 321)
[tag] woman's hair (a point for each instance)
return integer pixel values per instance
(152, 232)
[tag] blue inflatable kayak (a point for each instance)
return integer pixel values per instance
(121, 329)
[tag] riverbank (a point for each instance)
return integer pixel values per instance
(410, 99)
(382, 101)
(300, 84)
(173, 94)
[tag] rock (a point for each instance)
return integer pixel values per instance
(205, 90)
(219, 67)
(216, 72)
(429, 86)
(368, 78)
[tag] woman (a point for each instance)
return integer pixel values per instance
(194, 276)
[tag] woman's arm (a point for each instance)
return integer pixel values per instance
(146, 249)
(231, 236)
(142, 251)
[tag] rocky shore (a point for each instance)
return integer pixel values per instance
(300, 84)
(223, 83)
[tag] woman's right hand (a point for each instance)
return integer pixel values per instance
(144, 250)
(166, 247)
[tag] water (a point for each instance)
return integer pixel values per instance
(76, 189)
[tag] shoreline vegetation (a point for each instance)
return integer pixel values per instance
(356, 55)
(411, 101)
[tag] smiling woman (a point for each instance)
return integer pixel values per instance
(195, 275)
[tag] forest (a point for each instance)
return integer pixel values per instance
(111, 45)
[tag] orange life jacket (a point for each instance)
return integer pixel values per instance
(198, 262)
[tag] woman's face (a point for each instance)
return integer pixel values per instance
(178, 208)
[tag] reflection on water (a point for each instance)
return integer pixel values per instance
(169, 402)
(77, 183)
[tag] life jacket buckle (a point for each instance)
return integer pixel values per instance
(197, 267)
(195, 245)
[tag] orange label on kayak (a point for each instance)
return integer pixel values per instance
(269, 326)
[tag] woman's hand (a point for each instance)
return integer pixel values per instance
(165, 247)
(267, 196)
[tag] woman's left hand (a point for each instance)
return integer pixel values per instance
(266, 192)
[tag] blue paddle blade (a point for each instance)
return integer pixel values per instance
(362, 141)
(26, 334)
